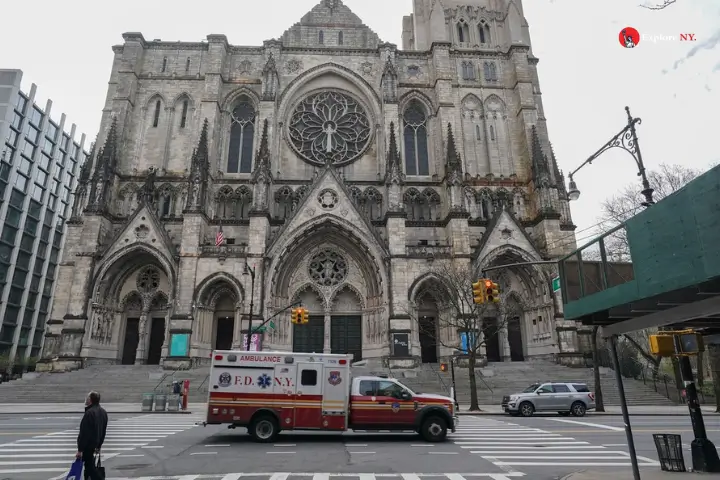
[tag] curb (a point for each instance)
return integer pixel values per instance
(72, 412)
(601, 414)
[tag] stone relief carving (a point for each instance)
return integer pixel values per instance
(245, 67)
(141, 232)
(328, 268)
(327, 199)
(414, 71)
(148, 280)
(366, 68)
(104, 320)
(293, 66)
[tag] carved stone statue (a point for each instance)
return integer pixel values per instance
(149, 187)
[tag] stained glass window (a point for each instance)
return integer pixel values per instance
(416, 144)
(242, 132)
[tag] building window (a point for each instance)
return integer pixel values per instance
(416, 140)
(492, 133)
(187, 65)
(183, 118)
(321, 37)
(156, 116)
(36, 116)
(164, 64)
(242, 132)
(490, 71)
(484, 32)
(478, 134)
(423, 206)
(284, 203)
(463, 32)
(340, 38)
(468, 71)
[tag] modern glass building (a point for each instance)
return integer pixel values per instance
(40, 156)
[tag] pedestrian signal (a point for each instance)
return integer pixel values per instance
(478, 291)
(304, 316)
(493, 292)
(662, 345)
(443, 367)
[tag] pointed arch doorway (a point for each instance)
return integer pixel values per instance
(428, 331)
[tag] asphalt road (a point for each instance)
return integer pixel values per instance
(41, 447)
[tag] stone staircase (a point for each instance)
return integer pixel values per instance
(115, 383)
(127, 383)
(499, 379)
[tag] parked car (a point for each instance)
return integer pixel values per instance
(565, 398)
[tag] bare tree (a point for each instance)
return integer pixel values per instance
(617, 209)
(658, 6)
(463, 325)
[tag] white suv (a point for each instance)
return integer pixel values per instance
(564, 398)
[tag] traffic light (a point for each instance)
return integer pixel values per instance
(663, 345)
(295, 316)
(478, 290)
(493, 292)
(304, 316)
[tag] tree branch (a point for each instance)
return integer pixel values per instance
(641, 350)
(659, 6)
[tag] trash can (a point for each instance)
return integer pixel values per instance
(173, 403)
(670, 452)
(147, 402)
(160, 402)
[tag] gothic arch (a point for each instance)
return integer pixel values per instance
(217, 294)
(494, 98)
(159, 301)
(184, 96)
(133, 296)
(471, 97)
(514, 298)
(126, 260)
(309, 286)
(419, 287)
(217, 281)
(531, 275)
(407, 98)
(352, 288)
(356, 243)
(154, 97)
(231, 99)
(371, 100)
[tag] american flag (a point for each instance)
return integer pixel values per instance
(220, 237)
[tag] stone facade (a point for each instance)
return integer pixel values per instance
(339, 170)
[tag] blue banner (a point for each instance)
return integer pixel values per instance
(179, 344)
(467, 341)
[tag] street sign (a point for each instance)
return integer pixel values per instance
(271, 325)
(556, 284)
(259, 329)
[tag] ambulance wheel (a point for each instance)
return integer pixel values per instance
(264, 429)
(434, 429)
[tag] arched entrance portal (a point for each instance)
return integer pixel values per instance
(224, 322)
(515, 339)
(310, 338)
(428, 331)
(346, 332)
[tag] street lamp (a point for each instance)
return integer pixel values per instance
(250, 271)
(627, 140)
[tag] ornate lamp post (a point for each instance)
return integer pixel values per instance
(627, 140)
(250, 271)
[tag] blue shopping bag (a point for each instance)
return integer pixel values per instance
(75, 470)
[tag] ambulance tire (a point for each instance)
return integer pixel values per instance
(264, 429)
(434, 429)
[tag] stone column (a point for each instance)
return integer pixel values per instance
(237, 343)
(504, 344)
(140, 355)
(327, 326)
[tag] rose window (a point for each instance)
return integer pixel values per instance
(148, 280)
(328, 199)
(327, 268)
(329, 128)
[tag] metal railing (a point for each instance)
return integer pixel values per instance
(437, 374)
(162, 379)
(203, 383)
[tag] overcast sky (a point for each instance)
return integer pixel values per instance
(586, 77)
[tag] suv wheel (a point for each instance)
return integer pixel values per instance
(526, 409)
(578, 409)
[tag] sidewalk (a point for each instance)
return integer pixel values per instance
(662, 411)
(52, 408)
(645, 474)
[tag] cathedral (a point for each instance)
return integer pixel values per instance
(325, 167)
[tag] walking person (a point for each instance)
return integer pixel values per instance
(93, 428)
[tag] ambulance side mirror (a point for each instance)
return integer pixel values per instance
(405, 396)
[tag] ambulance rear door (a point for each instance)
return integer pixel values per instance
(336, 387)
(284, 392)
(308, 395)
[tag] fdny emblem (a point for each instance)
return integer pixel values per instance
(225, 380)
(334, 378)
(395, 407)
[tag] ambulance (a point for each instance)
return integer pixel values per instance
(267, 392)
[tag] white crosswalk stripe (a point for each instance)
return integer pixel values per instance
(509, 445)
(334, 476)
(54, 452)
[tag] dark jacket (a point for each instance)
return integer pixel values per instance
(93, 428)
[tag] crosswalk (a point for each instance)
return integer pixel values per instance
(54, 452)
(334, 476)
(510, 445)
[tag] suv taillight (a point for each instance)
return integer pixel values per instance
(592, 396)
